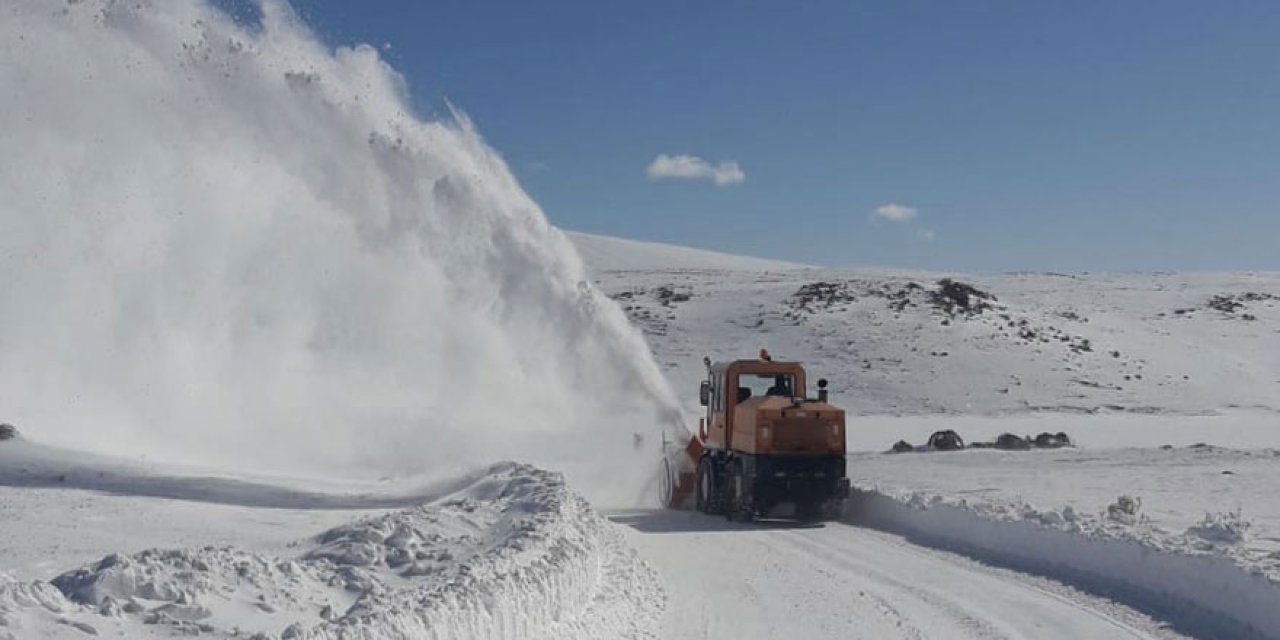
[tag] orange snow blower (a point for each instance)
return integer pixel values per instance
(764, 449)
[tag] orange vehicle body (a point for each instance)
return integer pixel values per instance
(754, 453)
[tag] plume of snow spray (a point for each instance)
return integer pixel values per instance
(231, 245)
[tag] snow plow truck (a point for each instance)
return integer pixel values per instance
(764, 449)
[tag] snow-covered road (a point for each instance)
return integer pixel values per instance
(727, 580)
(72, 524)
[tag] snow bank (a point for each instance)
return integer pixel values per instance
(1196, 582)
(226, 243)
(514, 554)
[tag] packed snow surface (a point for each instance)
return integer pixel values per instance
(228, 244)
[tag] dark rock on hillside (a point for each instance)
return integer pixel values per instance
(957, 298)
(1229, 304)
(668, 296)
(899, 298)
(821, 295)
(1225, 304)
(1052, 440)
(1010, 442)
(946, 440)
(8, 432)
(949, 440)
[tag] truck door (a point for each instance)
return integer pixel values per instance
(716, 413)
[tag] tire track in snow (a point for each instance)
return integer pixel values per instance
(941, 607)
(869, 554)
(866, 590)
(841, 581)
(730, 581)
(1031, 582)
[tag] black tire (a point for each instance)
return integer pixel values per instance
(737, 507)
(710, 493)
(705, 489)
(666, 485)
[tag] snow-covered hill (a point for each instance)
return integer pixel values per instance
(895, 343)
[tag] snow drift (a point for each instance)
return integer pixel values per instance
(225, 243)
(512, 554)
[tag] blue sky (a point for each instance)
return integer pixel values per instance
(1081, 136)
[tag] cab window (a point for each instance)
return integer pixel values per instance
(768, 384)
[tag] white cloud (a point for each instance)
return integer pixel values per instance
(686, 167)
(927, 235)
(895, 213)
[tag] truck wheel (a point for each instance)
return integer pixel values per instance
(666, 485)
(708, 495)
(737, 504)
(700, 489)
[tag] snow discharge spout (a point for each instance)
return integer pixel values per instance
(230, 245)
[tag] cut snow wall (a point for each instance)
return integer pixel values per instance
(1204, 595)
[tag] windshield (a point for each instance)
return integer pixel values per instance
(759, 384)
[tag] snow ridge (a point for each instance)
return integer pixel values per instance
(515, 554)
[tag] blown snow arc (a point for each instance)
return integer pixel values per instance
(232, 244)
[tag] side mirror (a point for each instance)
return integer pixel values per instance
(822, 383)
(704, 393)
(822, 389)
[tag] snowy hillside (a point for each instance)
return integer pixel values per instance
(898, 343)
